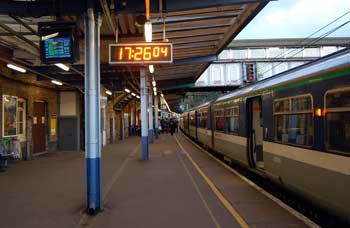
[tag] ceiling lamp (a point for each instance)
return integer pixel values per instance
(127, 90)
(108, 92)
(17, 68)
(62, 66)
(56, 82)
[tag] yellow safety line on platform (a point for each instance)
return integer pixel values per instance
(216, 191)
(212, 216)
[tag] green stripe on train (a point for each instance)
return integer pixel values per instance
(318, 78)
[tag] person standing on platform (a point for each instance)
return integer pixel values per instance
(172, 126)
(162, 124)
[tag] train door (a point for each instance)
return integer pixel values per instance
(255, 132)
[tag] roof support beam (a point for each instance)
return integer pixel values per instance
(10, 30)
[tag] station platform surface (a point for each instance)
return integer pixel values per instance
(179, 186)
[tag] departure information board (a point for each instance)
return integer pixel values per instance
(59, 42)
(56, 48)
(140, 53)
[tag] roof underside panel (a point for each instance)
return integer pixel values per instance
(198, 30)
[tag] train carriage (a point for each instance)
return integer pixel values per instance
(294, 128)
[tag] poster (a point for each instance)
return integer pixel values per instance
(53, 125)
(9, 115)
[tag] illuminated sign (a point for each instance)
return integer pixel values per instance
(138, 53)
(57, 48)
(58, 42)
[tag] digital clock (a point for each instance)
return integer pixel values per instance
(140, 53)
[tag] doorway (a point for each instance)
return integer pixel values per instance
(255, 132)
(39, 127)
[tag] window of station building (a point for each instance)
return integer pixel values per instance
(338, 120)
(293, 120)
(328, 50)
(264, 70)
(239, 54)
(257, 53)
(225, 54)
(293, 53)
(279, 67)
(275, 52)
(202, 119)
(312, 52)
(9, 116)
(21, 119)
(232, 120)
(219, 120)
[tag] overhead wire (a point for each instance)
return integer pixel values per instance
(284, 54)
(312, 42)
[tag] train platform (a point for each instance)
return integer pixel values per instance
(180, 186)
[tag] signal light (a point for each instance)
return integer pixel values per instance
(250, 72)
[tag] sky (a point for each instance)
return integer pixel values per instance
(298, 19)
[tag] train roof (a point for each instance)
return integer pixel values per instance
(199, 106)
(335, 60)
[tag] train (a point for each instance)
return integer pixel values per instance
(292, 128)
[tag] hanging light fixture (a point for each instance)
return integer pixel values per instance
(151, 69)
(148, 31)
(108, 92)
(127, 90)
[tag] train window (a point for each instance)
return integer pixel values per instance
(340, 99)
(301, 104)
(338, 120)
(232, 120)
(219, 120)
(293, 120)
(202, 119)
(281, 106)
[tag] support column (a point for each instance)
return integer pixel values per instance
(156, 116)
(150, 116)
(144, 119)
(92, 114)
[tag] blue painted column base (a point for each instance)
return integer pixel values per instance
(150, 135)
(93, 170)
(144, 142)
(157, 133)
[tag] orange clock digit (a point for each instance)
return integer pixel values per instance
(147, 54)
(129, 50)
(164, 50)
(156, 52)
(120, 53)
(138, 53)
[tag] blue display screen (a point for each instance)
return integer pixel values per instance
(57, 48)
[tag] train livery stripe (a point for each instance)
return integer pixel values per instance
(216, 191)
(204, 131)
(231, 138)
(327, 161)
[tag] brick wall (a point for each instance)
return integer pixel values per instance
(31, 93)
